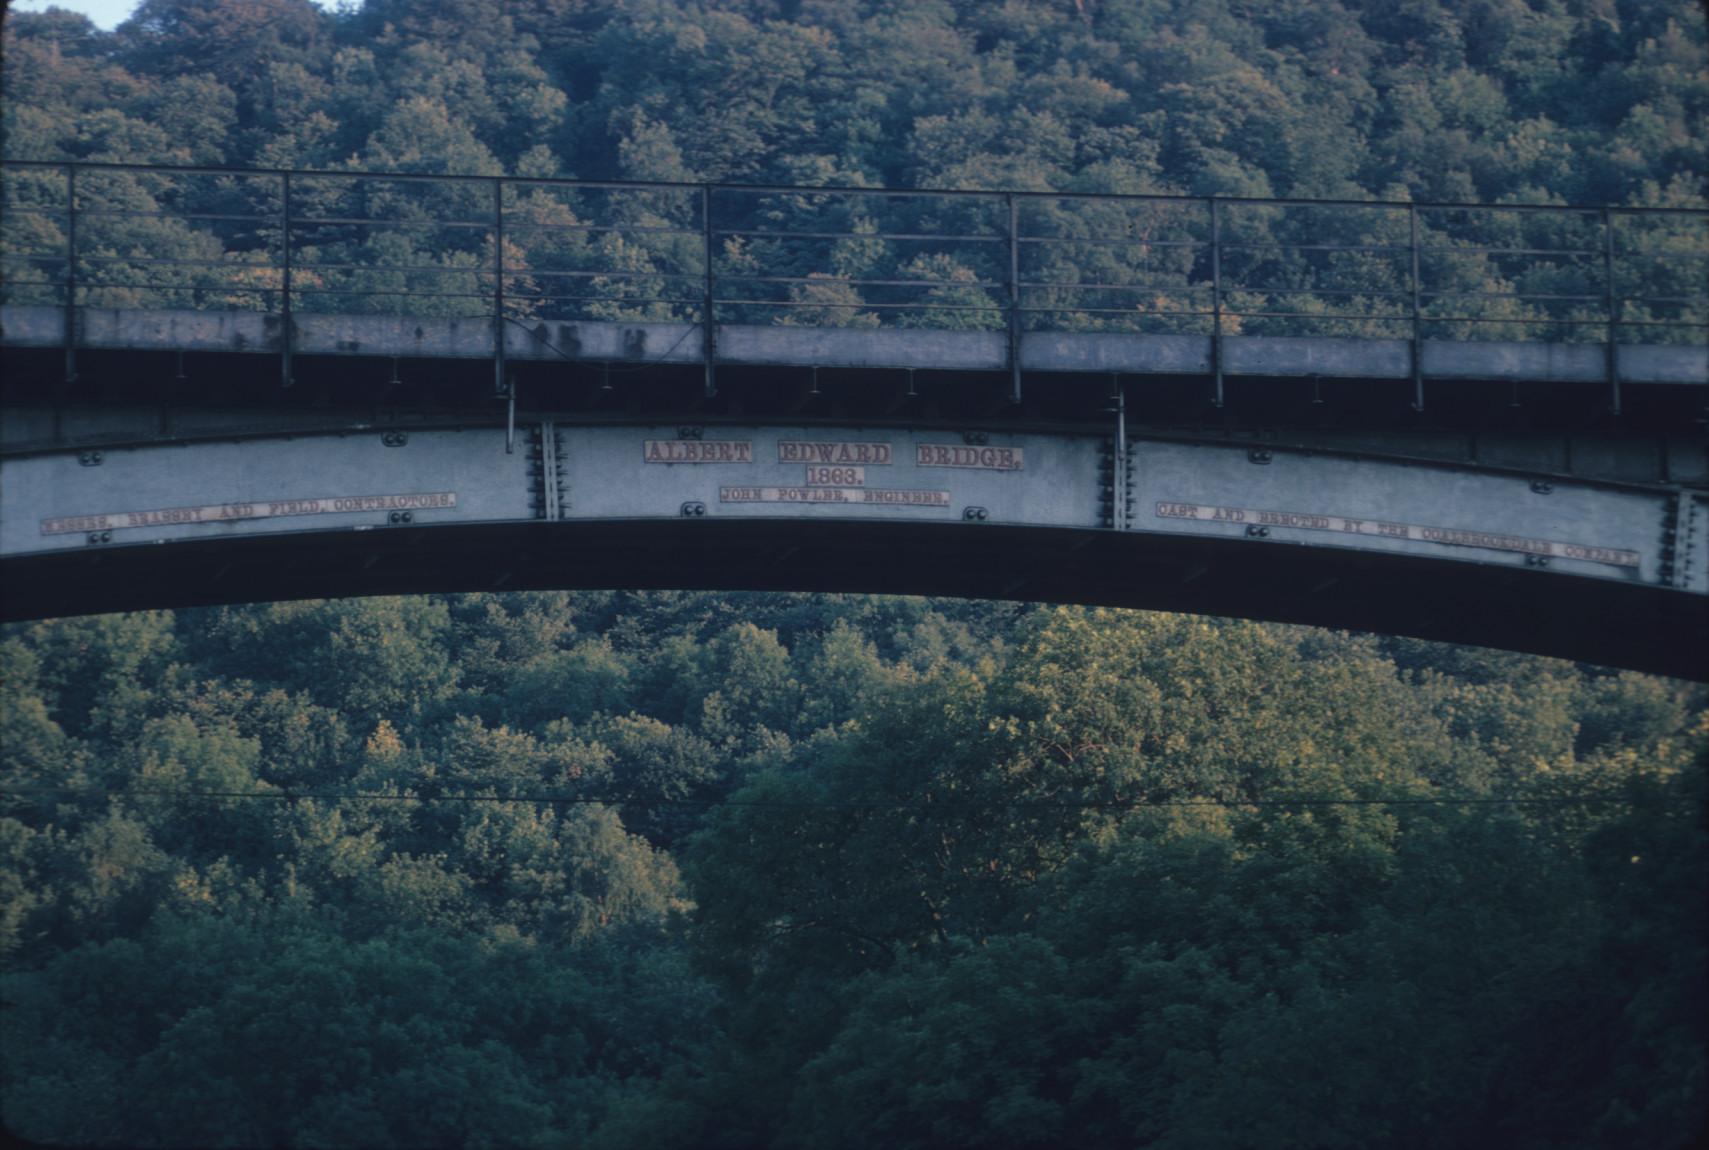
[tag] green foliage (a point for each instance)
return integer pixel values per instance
(1492, 101)
(675, 869)
(406, 872)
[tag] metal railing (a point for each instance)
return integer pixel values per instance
(522, 250)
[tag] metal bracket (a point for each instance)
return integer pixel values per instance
(975, 438)
(1686, 531)
(394, 438)
(693, 509)
(99, 537)
(1672, 520)
(1542, 487)
(1121, 483)
(399, 518)
(691, 433)
(510, 419)
(975, 514)
(89, 458)
(546, 472)
(1259, 455)
(1253, 531)
(1128, 484)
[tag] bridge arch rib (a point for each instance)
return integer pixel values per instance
(1606, 572)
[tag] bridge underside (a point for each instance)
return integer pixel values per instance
(1515, 608)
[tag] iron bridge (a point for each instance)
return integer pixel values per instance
(1481, 423)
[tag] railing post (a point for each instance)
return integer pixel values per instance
(710, 329)
(1417, 317)
(1014, 308)
(287, 323)
(500, 386)
(1611, 305)
(1216, 301)
(503, 387)
(70, 273)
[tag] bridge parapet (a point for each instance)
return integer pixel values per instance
(660, 343)
(999, 267)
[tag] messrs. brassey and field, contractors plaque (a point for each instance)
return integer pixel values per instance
(239, 510)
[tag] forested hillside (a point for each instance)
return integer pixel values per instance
(1489, 101)
(1549, 101)
(623, 870)
(709, 870)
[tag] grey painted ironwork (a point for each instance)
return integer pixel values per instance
(659, 343)
(1621, 532)
(1587, 547)
(1121, 483)
(1599, 531)
(1528, 518)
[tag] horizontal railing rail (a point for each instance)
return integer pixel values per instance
(292, 242)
